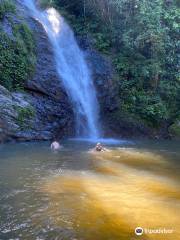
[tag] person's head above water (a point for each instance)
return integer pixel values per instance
(55, 145)
(99, 147)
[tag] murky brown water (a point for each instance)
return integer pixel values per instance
(82, 195)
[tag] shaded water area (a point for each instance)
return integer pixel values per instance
(79, 194)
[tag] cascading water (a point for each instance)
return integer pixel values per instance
(72, 69)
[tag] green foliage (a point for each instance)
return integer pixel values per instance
(175, 129)
(17, 53)
(101, 42)
(24, 114)
(17, 57)
(45, 3)
(6, 6)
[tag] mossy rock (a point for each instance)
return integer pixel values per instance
(17, 52)
(25, 115)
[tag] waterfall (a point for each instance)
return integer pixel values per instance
(72, 69)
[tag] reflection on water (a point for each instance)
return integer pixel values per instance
(79, 194)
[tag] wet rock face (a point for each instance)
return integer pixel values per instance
(103, 75)
(104, 79)
(45, 79)
(31, 116)
(3, 132)
(106, 85)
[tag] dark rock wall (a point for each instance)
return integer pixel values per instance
(104, 79)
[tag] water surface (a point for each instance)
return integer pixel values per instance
(79, 194)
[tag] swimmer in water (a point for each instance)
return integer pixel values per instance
(99, 148)
(55, 145)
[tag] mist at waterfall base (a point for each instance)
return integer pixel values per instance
(72, 69)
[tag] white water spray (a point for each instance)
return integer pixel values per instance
(72, 69)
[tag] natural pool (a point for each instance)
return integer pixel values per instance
(77, 194)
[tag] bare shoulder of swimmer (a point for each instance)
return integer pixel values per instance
(55, 145)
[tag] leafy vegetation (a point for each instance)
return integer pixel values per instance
(24, 114)
(175, 129)
(141, 36)
(17, 53)
(5, 8)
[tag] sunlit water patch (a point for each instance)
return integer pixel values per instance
(81, 194)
